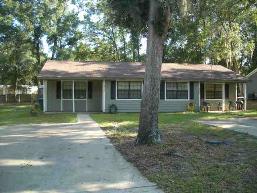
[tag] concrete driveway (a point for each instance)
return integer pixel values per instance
(243, 125)
(65, 158)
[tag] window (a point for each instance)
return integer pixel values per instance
(129, 90)
(80, 90)
(213, 91)
(90, 90)
(176, 90)
(58, 89)
(67, 89)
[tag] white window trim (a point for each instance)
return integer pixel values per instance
(188, 91)
(73, 96)
(61, 98)
(165, 86)
(116, 88)
(212, 99)
(199, 94)
(103, 96)
(223, 97)
(45, 95)
(245, 96)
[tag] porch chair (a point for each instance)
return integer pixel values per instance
(206, 106)
(219, 106)
(240, 104)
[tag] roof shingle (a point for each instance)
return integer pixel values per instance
(108, 70)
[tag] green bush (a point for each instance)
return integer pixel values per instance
(35, 109)
(191, 107)
(113, 109)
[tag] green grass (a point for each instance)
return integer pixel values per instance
(10, 115)
(203, 167)
(130, 120)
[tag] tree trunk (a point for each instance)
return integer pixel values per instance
(124, 46)
(135, 45)
(117, 57)
(148, 132)
(54, 49)
(254, 55)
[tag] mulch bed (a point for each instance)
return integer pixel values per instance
(185, 156)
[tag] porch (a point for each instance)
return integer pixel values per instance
(221, 97)
(73, 95)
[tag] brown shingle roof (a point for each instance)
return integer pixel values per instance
(108, 70)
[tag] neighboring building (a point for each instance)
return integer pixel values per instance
(252, 85)
(95, 86)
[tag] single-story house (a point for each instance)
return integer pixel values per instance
(252, 85)
(95, 86)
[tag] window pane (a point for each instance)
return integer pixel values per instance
(182, 94)
(171, 94)
(213, 91)
(123, 90)
(67, 90)
(129, 90)
(135, 90)
(80, 90)
(176, 90)
(182, 86)
(171, 86)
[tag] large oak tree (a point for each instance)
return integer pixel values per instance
(153, 17)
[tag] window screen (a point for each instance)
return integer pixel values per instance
(67, 89)
(176, 90)
(80, 90)
(129, 90)
(213, 91)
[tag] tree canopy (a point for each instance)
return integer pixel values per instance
(212, 31)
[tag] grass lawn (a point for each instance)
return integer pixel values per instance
(20, 114)
(185, 161)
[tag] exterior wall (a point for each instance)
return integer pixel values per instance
(252, 85)
(53, 104)
(67, 105)
(133, 105)
(122, 104)
(95, 104)
(80, 105)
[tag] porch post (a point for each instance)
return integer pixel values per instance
(45, 95)
(103, 96)
(223, 97)
(86, 95)
(61, 97)
(245, 96)
(73, 102)
(199, 96)
(236, 91)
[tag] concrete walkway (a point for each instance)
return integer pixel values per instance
(243, 125)
(60, 158)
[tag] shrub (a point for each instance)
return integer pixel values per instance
(35, 109)
(113, 109)
(191, 107)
